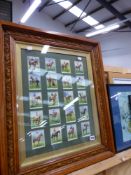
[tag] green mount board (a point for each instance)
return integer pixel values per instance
(46, 141)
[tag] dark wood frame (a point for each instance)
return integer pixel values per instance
(9, 34)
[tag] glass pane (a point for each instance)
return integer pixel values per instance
(120, 100)
(57, 113)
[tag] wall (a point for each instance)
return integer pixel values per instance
(116, 48)
(39, 20)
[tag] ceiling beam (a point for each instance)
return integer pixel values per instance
(44, 5)
(90, 13)
(65, 10)
(54, 3)
(102, 22)
(114, 11)
(81, 14)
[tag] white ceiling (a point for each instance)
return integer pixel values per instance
(101, 15)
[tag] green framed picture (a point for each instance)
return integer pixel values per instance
(59, 113)
(58, 87)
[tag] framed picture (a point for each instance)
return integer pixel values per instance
(82, 97)
(65, 66)
(36, 118)
(51, 81)
(68, 97)
(79, 67)
(54, 116)
(50, 64)
(35, 99)
(119, 78)
(34, 81)
(33, 64)
(80, 82)
(56, 135)
(38, 139)
(120, 104)
(84, 115)
(71, 132)
(67, 82)
(70, 114)
(53, 99)
(53, 104)
(85, 128)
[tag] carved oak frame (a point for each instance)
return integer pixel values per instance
(9, 34)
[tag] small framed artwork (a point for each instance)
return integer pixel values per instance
(79, 67)
(50, 64)
(65, 66)
(56, 135)
(33, 63)
(67, 82)
(84, 115)
(82, 97)
(35, 99)
(71, 132)
(80, 80)
(120, 105)
(51, 81)
(53, 98)
(85, 129)
(34, 81)
(70, 114)
(38, 139)
(68, 97)
(36, 118)
(54, 116)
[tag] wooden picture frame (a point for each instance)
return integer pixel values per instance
(12, 38)
(120, 106)
(119, 78)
